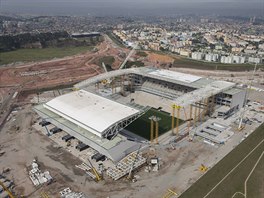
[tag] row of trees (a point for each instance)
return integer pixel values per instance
(13, 42)
(42, 40)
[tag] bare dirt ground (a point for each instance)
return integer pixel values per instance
(22, 143)
(58, 71)
(157, 59)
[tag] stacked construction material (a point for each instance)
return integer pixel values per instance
(68, 193)
(37, 176)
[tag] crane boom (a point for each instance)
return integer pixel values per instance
(240, 127)
(6, 189)
(103, 65)
(133, 164)
(129, 55)
(98, 178)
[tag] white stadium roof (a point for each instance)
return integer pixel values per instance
(166, 75)
(90, 111)
(205, 92)
(186, 78)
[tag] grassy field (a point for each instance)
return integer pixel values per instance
(141, 126)
(108, 60)
(234, 182)
(188, 63)
(129, 64)
(27, 55)
(141, 53)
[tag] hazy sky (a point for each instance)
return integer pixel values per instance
(134, 7)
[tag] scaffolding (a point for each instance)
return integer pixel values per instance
(123, 167)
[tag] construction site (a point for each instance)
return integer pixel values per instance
(131, 132)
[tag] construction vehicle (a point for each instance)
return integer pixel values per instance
(203, 168)
(240, 128)
(68, 143)
(105, 81)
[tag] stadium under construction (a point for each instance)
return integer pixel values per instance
(102, 111)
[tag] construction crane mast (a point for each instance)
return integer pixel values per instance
(240, 127)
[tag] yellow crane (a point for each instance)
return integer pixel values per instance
(203, 168)
(178, 108)
(175, 107)
(6, 189)
(170, 193)
(98, 177)
(154, 123)
(44, 195)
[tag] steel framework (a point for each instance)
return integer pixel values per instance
(113, 130)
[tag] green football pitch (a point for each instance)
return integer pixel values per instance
(141, 126)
